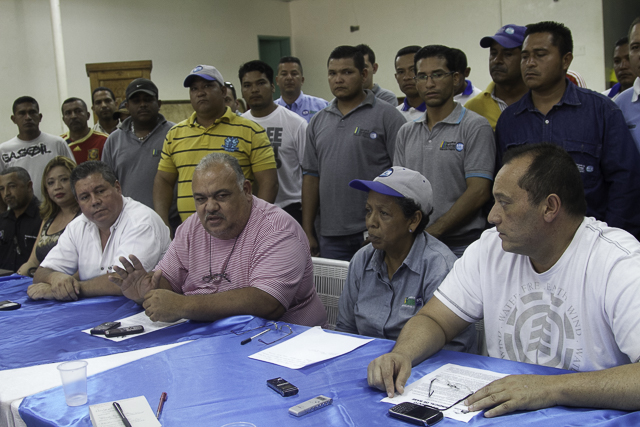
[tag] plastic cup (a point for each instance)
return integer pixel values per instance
(74, 381)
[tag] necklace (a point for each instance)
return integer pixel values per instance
(218, 276)
(141, 138)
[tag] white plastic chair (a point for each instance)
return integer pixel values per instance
(329, 276)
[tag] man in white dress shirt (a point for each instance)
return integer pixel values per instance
(110, 226)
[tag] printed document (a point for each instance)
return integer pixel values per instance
(446, 388)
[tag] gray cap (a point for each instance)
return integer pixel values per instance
(207, 72)
(400, 182)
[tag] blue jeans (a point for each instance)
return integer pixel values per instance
(340, 247)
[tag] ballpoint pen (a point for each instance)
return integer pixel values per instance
(163, 397)
(248, 340)
(125, 421)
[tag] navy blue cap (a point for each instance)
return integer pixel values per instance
(509, 36)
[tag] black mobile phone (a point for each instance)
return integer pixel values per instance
(121, 332)
(282, 386)
(416, 414)
(7, 305)
(100, 329)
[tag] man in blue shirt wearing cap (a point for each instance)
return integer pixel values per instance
(504, 66)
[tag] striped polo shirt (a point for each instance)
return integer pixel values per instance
(271, 254)
(188, 142)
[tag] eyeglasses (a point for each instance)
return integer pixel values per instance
(459, 387)
(276, 327)
(281, 329)
(229, 85)
(436, 77)
(217, 277)
(239, 332)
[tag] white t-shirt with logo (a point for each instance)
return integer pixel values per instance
(582, 314)
(33, 156)
(287, 132)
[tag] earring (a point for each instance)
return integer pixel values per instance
(410, 231)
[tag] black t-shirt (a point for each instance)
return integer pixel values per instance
(18, 235)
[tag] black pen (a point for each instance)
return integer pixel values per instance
(248, 340)
(125, 421)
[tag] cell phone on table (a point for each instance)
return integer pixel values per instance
(421, 415)
(121, 332)
(282, 386)
(7, 305)
(100, 329)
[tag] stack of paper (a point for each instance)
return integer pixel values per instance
(311, 346)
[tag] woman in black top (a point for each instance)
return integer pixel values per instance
(58, 208)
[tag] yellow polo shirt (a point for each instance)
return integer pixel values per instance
(188, 142)
(485, 105)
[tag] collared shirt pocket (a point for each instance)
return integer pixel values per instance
(587, 158)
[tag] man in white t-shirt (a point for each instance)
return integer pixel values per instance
(554, 288)
(285, 129)
(31, 149)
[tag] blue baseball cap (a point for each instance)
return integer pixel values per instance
(509, 36)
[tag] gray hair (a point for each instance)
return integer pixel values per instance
(214, 159)
(83, 170)
(21, 173)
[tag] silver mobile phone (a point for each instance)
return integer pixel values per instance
(310, 405)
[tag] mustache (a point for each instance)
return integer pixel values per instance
(502, 69)
(215, 215)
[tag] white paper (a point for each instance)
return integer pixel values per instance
(136, 409)
(311, 346)
(453, 383)
(137, 319)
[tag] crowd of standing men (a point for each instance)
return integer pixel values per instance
(317, 160)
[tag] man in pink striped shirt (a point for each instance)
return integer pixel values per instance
(238, 255)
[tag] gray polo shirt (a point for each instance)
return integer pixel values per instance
(341, 148)
(376, 306)
(385, 94)
(459, 147)
(135, 161)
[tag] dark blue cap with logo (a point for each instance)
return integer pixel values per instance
(509, 36)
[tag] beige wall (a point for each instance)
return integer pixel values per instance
(320, 25)
(177, 35)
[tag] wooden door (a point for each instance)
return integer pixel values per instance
(117, 76)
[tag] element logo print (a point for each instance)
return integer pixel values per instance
(541, 328)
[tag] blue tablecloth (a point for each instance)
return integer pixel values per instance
(51, 331)
(212, 382)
